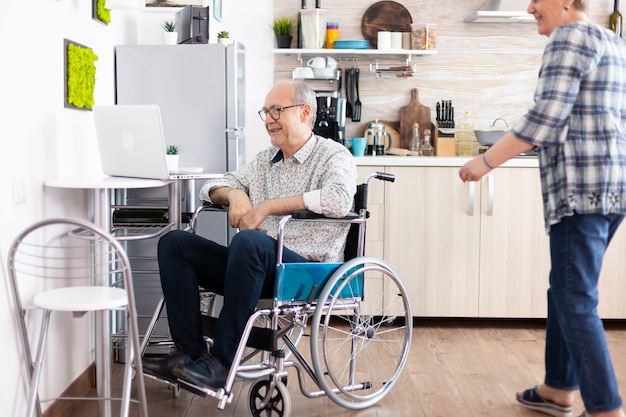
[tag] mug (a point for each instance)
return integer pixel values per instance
(317, 62)
(330, 62)
(302, 72)
(358, 146)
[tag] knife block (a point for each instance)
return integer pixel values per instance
(444, 146)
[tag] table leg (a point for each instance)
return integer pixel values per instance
(101, 214)
(174, 202)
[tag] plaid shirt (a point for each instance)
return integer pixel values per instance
(578, 122)
(323, 171)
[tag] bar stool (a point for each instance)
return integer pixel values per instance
(71, 265)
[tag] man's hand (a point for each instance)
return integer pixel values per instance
(239, 206)
(237, 201)
(253, 218)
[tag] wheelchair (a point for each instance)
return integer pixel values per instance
(359, 317)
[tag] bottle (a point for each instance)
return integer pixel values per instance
(300, 24)
(416, 143)
(615, 19)
(466, 137)
(427, 147)
(332, 34)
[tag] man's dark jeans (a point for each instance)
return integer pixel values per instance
(242, 272)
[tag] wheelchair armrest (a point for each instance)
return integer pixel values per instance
(206, 206)
(305, 214)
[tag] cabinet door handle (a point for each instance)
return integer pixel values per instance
(470, 200)
(490, 194)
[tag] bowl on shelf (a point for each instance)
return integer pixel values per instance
(324, 72)
(351, 44)
(299, 73)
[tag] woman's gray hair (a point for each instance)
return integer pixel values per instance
(302, 93)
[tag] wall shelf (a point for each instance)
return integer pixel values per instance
(355, 54)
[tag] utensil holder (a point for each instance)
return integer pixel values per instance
(444, 144)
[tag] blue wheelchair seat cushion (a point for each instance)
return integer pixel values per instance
(295, 281)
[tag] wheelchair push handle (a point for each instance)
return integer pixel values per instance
(382, 176)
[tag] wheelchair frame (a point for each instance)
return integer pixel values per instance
(347, 363)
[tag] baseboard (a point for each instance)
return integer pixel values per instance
(80, 387)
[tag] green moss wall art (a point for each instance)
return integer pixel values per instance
(100, 12)
(80, 75)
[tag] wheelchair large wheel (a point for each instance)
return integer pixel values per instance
(278, 405)
(252, 355)
(360, 346)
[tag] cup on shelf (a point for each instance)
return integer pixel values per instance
(317, 62)
(396, 40)
(406, 40)
(384, 40)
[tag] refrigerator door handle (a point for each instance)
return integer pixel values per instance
(235, 148)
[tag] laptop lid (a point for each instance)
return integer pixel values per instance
(130, 139)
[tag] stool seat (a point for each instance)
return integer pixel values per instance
(81, 299)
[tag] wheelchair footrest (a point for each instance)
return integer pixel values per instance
(260, 338)
(205, 392)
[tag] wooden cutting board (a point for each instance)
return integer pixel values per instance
(414, 112)
(388, 16)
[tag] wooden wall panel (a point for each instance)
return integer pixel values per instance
(489, 69)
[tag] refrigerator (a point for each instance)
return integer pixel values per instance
(200, 90)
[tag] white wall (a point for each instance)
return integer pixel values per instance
(42, 139)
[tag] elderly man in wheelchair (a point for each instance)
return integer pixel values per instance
(300, 173)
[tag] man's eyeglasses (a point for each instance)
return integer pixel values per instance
(274, 112)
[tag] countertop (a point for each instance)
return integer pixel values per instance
(437, 161)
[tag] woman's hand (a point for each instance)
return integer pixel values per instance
(474, 169)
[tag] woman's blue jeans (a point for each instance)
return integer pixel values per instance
(577, 354)
(242, 272)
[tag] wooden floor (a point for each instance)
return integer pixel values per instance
(457, 368)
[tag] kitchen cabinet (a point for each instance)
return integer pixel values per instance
(468, 249)
(374, 232)
(472, 249)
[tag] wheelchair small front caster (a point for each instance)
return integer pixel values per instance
(278, 404)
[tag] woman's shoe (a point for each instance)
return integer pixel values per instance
(530, 398)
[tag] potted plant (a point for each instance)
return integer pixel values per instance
(222, 37)
(282, 31)
(171, 157)
(170, 35)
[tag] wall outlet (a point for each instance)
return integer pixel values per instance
(18, 194)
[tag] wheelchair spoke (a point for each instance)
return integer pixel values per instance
(359, 354)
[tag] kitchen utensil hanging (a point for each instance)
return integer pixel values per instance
(348, 85)
(356, 115)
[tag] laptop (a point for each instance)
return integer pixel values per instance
(131, 143)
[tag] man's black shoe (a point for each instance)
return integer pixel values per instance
(207, 372)
(163, 366)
